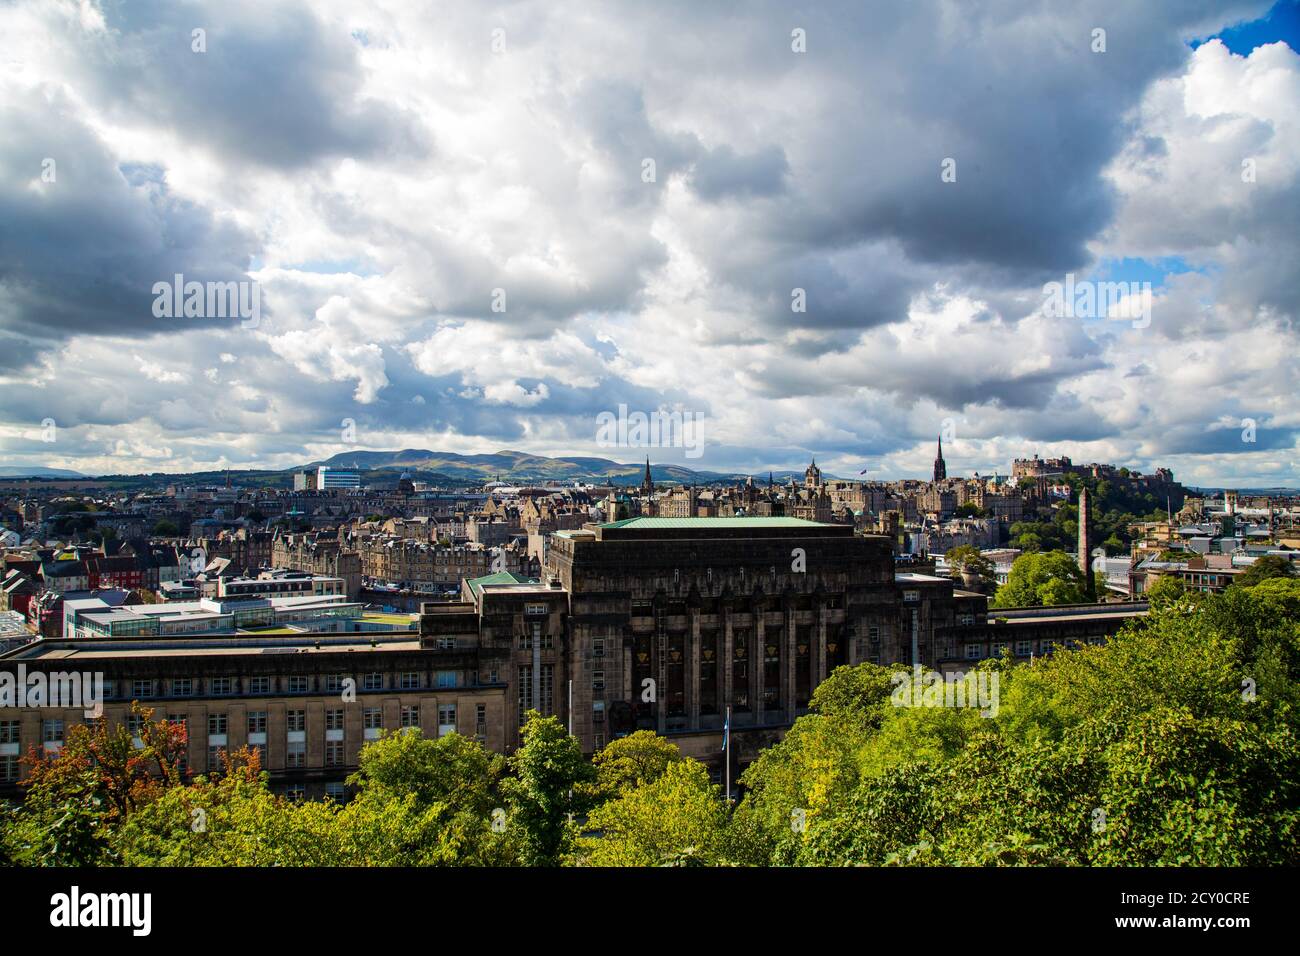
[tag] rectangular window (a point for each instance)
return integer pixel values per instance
(257, 721)
(333, 753)
(548, 690)
(296, 684)
(221, 686)
(215, 762)
(446, 679)
(446, 719)
(216, 724)
(974, 652)
(410, 715)
(334, 718)
(8, 768)
(259, 686)
(182, 686)
(295, 720)
(372, 722)
(295, 791)
(52, 731)
(373, 682)
(410, 680)
(141, 688)
(295, 757)
(335, 790)
(9, 731)
(525, 691)
(333, 683)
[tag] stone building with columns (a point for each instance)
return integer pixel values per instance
(670, 621)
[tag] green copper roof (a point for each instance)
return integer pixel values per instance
(500, 577)
(704, 523)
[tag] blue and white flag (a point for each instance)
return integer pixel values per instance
(726, 732)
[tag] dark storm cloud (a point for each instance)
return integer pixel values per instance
(723, 173)
(274, 87)
(81, 253)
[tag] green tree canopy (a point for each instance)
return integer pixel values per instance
(1042, 579)
(1268, 566)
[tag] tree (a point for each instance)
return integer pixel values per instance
(973, 568)
(75, 798)
(679, 814)
(1269, 566)
(540, 797)
(426, 802)
(1172, 744)
(814, 768)
(451, 770)
(1166, 589)
(1042, 579)
(165, 529)
(628, 763)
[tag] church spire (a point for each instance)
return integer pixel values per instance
(940, 467)
(647, 483)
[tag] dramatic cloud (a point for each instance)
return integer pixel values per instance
(827, 227)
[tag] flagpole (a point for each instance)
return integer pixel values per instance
(726, 739)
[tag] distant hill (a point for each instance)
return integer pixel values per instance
(519, 467)
(30, 471)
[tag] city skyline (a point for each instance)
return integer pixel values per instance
(818, 230)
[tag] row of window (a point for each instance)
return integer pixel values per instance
(334, 790)
(975, 652)
(142, 689)
(372, 719)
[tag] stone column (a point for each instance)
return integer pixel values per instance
(818, 668)
(757, 675)
(789, 665)
(725, 663)
(693, 671)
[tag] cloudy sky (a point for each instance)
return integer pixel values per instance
(474, 226)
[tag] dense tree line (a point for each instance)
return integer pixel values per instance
(1114, 507)
(1173, 744)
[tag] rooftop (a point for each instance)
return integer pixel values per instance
(502, 579)
(652, 524)
(710, 528)
(91, 649)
